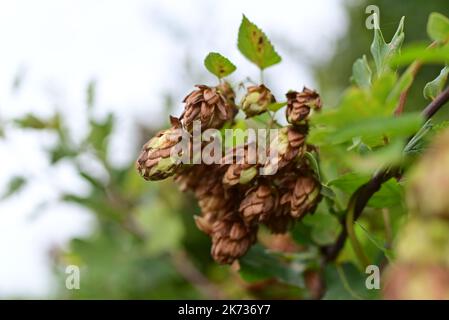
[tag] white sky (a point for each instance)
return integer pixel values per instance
(136, 50)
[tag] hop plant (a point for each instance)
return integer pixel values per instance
(273, 186)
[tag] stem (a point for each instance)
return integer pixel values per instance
(363, 259)
(261, 76)
(388, 230)
(413, 68)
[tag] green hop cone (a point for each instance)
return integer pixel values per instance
(256, 100)
(155, 161)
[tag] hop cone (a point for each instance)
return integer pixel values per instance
(155, 161)
(301, 104)
(289, 145)
(231, 238)
(243, 165)
(207, 105)
(259, 204)
(305, 195)
(257, 100)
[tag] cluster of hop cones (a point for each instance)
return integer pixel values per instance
(234, 197)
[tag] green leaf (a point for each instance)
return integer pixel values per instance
(361, 73)
(383, 52)
(15, 185)
(325, 227)
(434, 88)
(438, 27)
(275, 106)
(404, 82)
(344, 282)
(91, 93)
(31, 121)
(389, 195)
(389, 254)
(421, 52)
(99, 132)
(219, 65)
(255, 46)
(258, 265)
(60, 151)
(373, 130)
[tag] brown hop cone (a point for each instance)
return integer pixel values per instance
(301, 104)
(205, 222)
(211, 195)
(189, 178)
(155, 161)
(257, 100)
(231, 238)
(242, 165)
(226, 90)
(305, 195)
(208, 105)
(281, 219)
(259, 204)
(279, 222)
(289, 145)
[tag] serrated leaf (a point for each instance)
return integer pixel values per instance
(361, 73)
(219, 65)
(383, 52)
(434, 87)
(438, 27)
(255, 45)
(15, 185)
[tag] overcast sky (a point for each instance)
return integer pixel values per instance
(136, 50)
